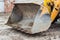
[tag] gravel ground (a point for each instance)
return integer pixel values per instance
(8, 33)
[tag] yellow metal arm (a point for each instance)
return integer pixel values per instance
(55, 9)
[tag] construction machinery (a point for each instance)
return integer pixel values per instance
(32, 16)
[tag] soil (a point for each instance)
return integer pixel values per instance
(8, 33)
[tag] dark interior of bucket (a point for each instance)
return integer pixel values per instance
(24, 14)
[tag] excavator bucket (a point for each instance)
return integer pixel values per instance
(26, 18)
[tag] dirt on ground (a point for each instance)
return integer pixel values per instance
(8, 33)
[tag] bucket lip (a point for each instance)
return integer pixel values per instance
(28, 1)
(26, 4)
(23, 1)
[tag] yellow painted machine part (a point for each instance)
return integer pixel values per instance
(56, 10)
(46, 5)
(54, 13)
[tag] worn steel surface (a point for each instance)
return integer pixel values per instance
(41, 23)
(28, 13)
(26, 17)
